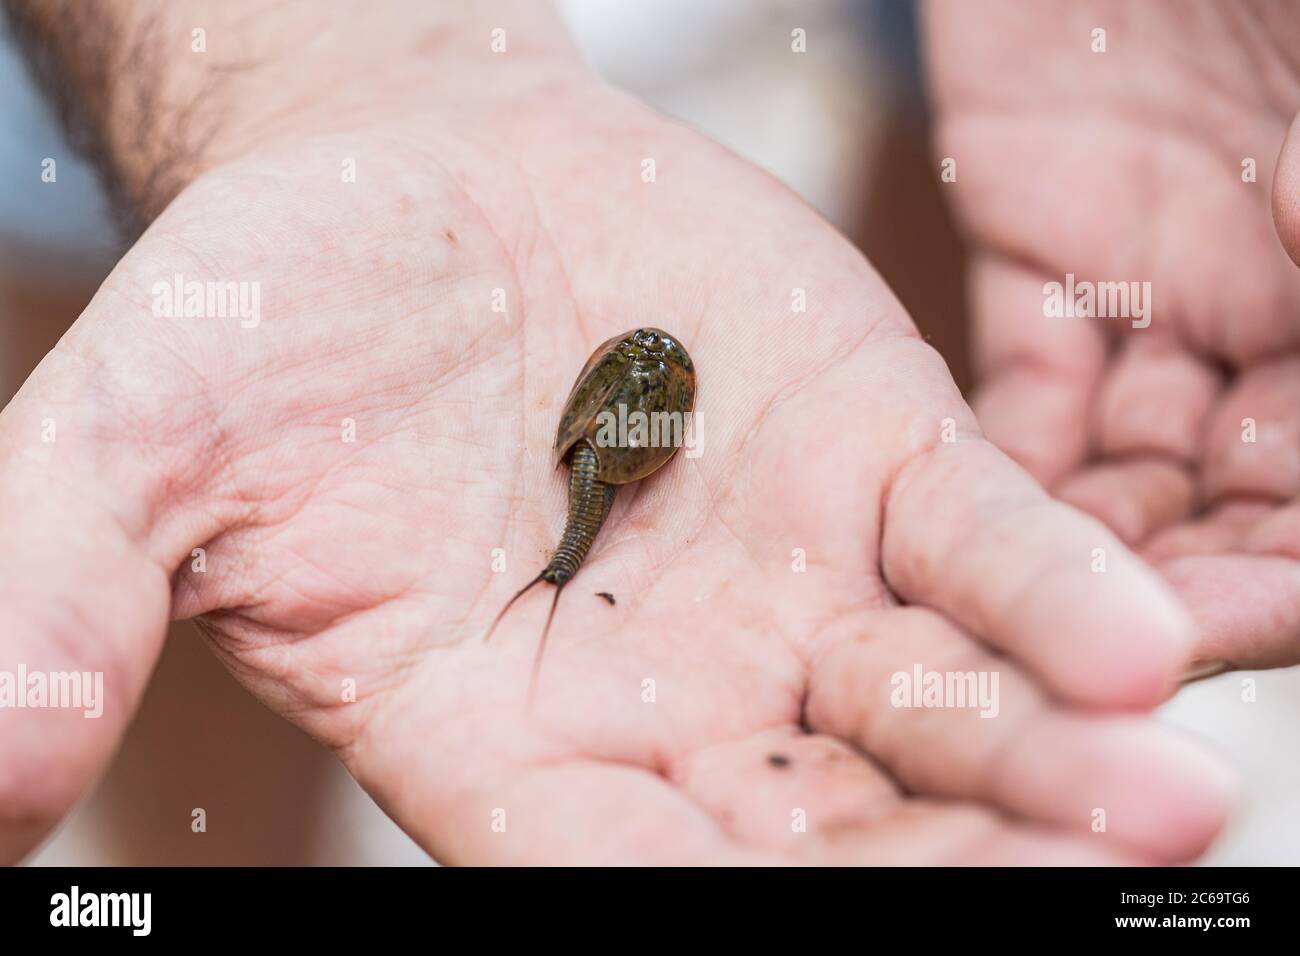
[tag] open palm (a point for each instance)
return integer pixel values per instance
(356, 466)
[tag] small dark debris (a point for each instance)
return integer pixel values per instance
(451, 236)
(778, 760)
(607, 596)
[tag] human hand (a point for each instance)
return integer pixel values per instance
(329, 561)
(1127, 166)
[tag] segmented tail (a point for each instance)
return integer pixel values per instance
(590, 501)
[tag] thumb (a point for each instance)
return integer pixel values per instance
(83, 601)
(1286, 192)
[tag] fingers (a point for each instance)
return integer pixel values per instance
(1135, 497)
(1224, 528)
(1147, 426)
(1154, 399)
(1237, 571)
(1000, 740)
(1235, 567)
(578, 813)
(1252, 443)
(83, 602)
(773, 787)
(1246, 608)
(776, 796)
(1286, 192)
(815, 800)
(969, 533)
(1039, 373)
(491, 782)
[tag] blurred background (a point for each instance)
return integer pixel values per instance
(844, 125)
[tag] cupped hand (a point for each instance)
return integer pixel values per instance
(1150, 161)
(346, 490)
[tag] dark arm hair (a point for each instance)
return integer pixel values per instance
(101, 71)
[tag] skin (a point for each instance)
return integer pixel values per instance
(372, 560)
(1127, 166)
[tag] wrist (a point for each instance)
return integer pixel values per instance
(168, 90)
